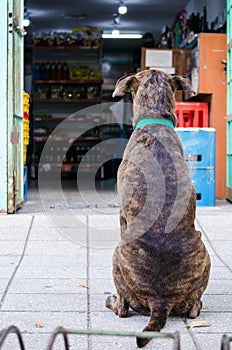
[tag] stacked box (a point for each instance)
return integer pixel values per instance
(192, 114)
(26, 98)
(200, 155)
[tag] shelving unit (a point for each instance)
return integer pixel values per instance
(65, 80)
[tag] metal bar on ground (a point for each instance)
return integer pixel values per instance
(226, 340)
(12, 329)
(60, 330)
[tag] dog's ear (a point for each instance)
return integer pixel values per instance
(182, 83)
(123, 85)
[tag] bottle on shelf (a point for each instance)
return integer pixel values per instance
(59, 75)
(36, 71)
(42, 70)
(47, 71)
(53, 71)
(65, 71)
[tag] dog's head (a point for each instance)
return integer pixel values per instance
(153, 93)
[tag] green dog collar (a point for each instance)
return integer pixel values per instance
(148, 121)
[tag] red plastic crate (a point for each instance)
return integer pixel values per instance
(26, 115)
(192, 114)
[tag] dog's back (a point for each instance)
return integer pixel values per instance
(161, 266)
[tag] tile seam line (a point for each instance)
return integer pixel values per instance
(18, 264)
(89, 340)
(212, 247)
(191, 334)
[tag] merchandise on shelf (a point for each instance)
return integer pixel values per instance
(67, 92)
(60, 71)
(183, 33)
(86, 37)
(61, 88)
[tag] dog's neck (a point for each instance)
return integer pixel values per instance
(141, 112)
(150, 121)
(171, 117)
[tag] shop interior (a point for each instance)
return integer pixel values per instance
(72, 64)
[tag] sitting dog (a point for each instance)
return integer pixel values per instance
(161, 265)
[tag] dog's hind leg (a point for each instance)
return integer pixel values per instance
(159, 313)
(195, 310)
(118, 305)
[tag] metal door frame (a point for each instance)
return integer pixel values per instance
(11, 107)
(3, 108)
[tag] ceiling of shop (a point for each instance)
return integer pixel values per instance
(142, 15)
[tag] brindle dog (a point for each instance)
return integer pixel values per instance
(161, 266)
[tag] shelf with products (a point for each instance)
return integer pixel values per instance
(65, 79)
(67, 153)
(66, 150)
(71, 100)
(69, 81)
(66, 91)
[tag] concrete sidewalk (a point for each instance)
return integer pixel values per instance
(55, 273)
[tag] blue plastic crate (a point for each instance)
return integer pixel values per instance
(25, 183)
(204, 183)
(199, 146)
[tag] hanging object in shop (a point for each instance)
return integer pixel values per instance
(19, 30)
(122, 9)
(26, 18)
(115, 32)
(26, 22)
(117, 18)
(122, 36)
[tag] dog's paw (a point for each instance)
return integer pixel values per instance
(141, 342)
(111, 302)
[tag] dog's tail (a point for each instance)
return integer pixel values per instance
(158, 317)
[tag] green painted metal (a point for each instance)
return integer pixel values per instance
(65, 332)
(229, 152)
(3, 109)
(229, 101)
(15, 105)
(226, 340)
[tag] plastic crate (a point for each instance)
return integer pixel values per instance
(26, 127)
(199, 146)
(192, 114)
(26, 115)
(25, 183)
(26, 97)
(24, 154)
(204, 183)
(26, 107)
